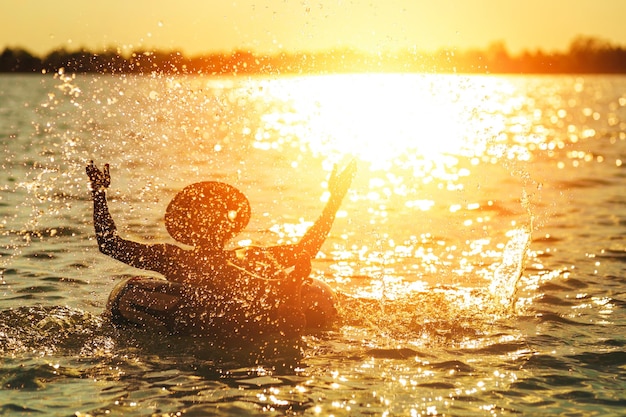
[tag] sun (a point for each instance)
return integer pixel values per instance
(381, 119)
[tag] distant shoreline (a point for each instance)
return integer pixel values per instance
(586, 55)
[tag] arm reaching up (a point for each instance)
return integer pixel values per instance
(110, 243)
(313, 239)
(106, 231)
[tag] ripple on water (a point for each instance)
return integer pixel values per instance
(399, 353)
(544, 316)
(553, 300)
(602, 361)
(37, 289)
(67, 279)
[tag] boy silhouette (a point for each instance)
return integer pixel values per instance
(210, 289)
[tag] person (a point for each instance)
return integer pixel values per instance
(209, 289)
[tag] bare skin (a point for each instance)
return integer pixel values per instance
(254, 276)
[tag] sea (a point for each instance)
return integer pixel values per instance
(479, 257)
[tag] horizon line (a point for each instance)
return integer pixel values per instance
(129, 50)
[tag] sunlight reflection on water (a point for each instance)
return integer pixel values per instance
(422, 139)
(456, 176)
(433, 150)
(380, 118)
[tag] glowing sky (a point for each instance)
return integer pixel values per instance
(198, 26)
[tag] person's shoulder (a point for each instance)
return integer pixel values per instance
(247, 251)
(168, 249)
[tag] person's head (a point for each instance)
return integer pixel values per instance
(207, 214)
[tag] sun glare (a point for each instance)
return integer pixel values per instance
(428, 145)
(381, 120)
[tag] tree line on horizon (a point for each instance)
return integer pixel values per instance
(586, 55)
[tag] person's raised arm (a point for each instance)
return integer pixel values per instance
(131, 253)
(106, 232)
(313, 239)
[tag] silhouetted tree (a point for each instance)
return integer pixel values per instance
(585, 55)
(19, 60)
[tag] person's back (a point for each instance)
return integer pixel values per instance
(243, 304)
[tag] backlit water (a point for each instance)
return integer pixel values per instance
(479, 256)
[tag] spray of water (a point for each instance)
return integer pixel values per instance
(503, 286)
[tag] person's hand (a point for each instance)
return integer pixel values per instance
(100, 180)
(338, 183)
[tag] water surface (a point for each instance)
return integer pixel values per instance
(479, 255)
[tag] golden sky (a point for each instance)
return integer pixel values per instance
(199, 26)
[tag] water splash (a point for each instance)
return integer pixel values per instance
(508, 273)
(44, 331)
(40, 165)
